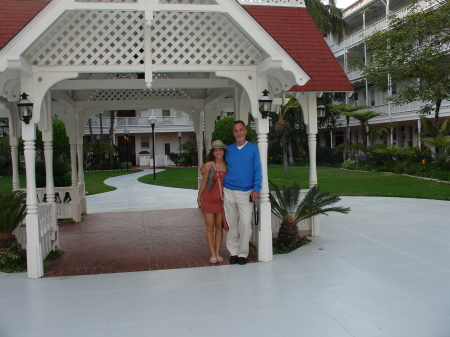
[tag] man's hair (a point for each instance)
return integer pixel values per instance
(239, 121)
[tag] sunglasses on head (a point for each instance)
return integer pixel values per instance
(239, 121)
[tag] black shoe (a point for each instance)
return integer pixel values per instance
(234, 259)
(242, 260)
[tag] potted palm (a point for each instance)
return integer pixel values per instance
(286, 206)
(12, 211)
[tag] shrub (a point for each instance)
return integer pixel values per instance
(13, 259)
(12, 210)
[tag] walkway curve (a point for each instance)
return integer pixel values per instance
(132, 195)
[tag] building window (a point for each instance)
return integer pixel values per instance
(167, 149)
(145, 142)
(126, 113)
(166, 113)
(394, 89)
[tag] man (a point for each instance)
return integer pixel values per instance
(242, 185)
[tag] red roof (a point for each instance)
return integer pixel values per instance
(14, 15)
(292, 27)
(295, 31)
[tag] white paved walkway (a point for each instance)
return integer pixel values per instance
(383, 270)
(131, 195)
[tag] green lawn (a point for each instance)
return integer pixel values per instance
(94, 181)
(335, 181)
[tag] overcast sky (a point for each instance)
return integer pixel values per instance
(344, 3)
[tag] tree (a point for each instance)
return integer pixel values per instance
(413, 54)
(283, 128)
(328, 18)
(440, 141)
(223, 130)
(362, 117)
(60, 141)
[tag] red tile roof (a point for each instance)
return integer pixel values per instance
(295, 31)
(14, 15)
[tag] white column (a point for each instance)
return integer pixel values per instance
(50, 189)
(73, 164)
(15, 166)
(265, 248)
(312, 145)
(35, 267)
(81, 180)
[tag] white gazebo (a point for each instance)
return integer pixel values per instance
(77, 58)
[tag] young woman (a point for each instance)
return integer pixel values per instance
(210, 198)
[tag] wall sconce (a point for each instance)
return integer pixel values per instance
(25, 108)
(265, 104)
(321, 111)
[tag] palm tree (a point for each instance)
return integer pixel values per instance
(347, 111)
(362, 117)
(285, 205)
(440, 140)
(328, 18)
(373, 133)
(12, 211)
(284, 128)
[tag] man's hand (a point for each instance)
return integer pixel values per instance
(255, 195)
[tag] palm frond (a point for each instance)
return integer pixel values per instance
(314, 202)
(284, 202)
(12, 210)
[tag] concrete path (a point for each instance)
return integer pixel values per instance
(132, 195)
(381, 271)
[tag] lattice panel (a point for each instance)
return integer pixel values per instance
(125, 95)
(91, 38)
(200, 38)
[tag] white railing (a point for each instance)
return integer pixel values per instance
(45, 230)
(357, 37)
(66, 208)
(122, 122)
(354, 75)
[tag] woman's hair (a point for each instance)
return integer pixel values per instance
(210, 155)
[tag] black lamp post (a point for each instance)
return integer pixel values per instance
(179, 146)
(25, 108)
(126, 132)
(152, 121)
(265, 104)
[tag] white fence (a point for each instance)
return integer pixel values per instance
(46, 236)
(67, 201)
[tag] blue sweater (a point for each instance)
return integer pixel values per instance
(243, 168)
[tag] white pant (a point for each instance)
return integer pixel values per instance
(238, 211)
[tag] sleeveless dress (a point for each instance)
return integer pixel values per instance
(212, 200)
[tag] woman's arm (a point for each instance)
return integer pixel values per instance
(207, 168)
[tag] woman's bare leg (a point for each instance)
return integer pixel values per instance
(219, 232)
(210, 219)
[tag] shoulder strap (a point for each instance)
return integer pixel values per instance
(219, 182)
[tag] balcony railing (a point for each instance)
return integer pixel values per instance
(357, 38)
(122, 122)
